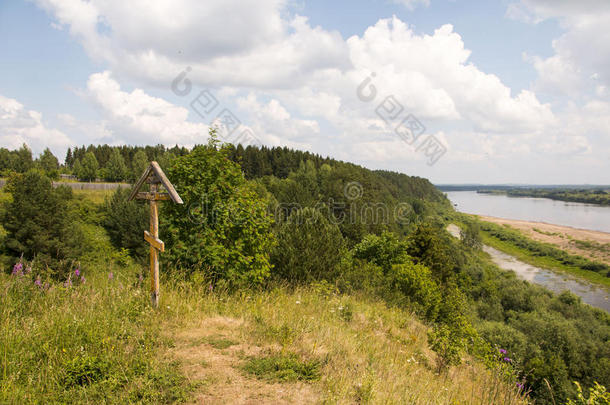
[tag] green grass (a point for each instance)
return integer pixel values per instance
(546, 262)
(95, 196)
(283, 367)
(98, 342)
(219, 342)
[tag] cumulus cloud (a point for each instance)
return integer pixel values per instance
(296, 84)
(19, 125)
(582, 53)
(136, 117)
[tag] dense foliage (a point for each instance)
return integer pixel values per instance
(36, 219)
(223, 227)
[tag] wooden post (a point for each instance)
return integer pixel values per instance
(154, 255)
(154, 176)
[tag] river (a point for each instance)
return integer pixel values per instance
(557, 282)
(576, 215)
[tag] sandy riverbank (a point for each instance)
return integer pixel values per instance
(596, 244)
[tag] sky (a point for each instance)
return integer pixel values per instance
(457, 91)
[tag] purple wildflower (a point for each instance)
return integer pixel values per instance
(507, 359)
(82, 279)
(77, 272)
(37, 282)
(110, 276)
(520, 386)
(28, 269)
(502, 351)
(18, 269)
(68, 283)
(211, 288)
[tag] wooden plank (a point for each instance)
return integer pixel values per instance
(154, 242)
(139, 183)
(166, 183)
(143, 195)
(154, 253)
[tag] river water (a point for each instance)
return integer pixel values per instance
(576, 215)
(557, 282)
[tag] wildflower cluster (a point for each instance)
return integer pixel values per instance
(23, 271)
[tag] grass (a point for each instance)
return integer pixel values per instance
(94, 196)
(282, 367)
(91, 343)
(219, 342)
(375, 353)
(101, 342)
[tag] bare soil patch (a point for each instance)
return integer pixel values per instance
(215, 368)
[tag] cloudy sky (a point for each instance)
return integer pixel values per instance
(511, 91)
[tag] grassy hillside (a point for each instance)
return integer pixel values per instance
(100, 341)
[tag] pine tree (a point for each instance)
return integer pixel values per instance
(116, 170)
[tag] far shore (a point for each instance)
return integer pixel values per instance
(596, 246)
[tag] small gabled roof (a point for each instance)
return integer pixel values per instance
(158, 178)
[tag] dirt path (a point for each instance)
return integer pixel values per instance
(591, 244)
(211, 353)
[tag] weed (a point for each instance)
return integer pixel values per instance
(283, 367)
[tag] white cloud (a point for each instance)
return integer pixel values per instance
(19, 125)
(582, 53)
(295, 84)
(137, 117)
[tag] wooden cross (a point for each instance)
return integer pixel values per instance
(154, 176)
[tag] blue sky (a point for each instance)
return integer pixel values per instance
(512, 91)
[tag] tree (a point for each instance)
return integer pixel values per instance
(89, 167)
(35, 219)
(470, 235)
(309, 247)
(124, 222)
(223, 229)
(49, 163)
(139, 163)
(23, 161)
(116, 170)
(69, 160)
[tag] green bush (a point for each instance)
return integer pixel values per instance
(414, 282)
(36, 219)
(309, 247)
(125, 222)
(223, 228)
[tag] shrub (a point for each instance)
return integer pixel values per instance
(125, 222)
(415, 283)
(309, 247)
(385, 250)
(36, 219)
(223, 228)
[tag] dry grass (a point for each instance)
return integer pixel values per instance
(368, 353)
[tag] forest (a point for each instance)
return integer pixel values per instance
(258, 218)
(593, 195)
